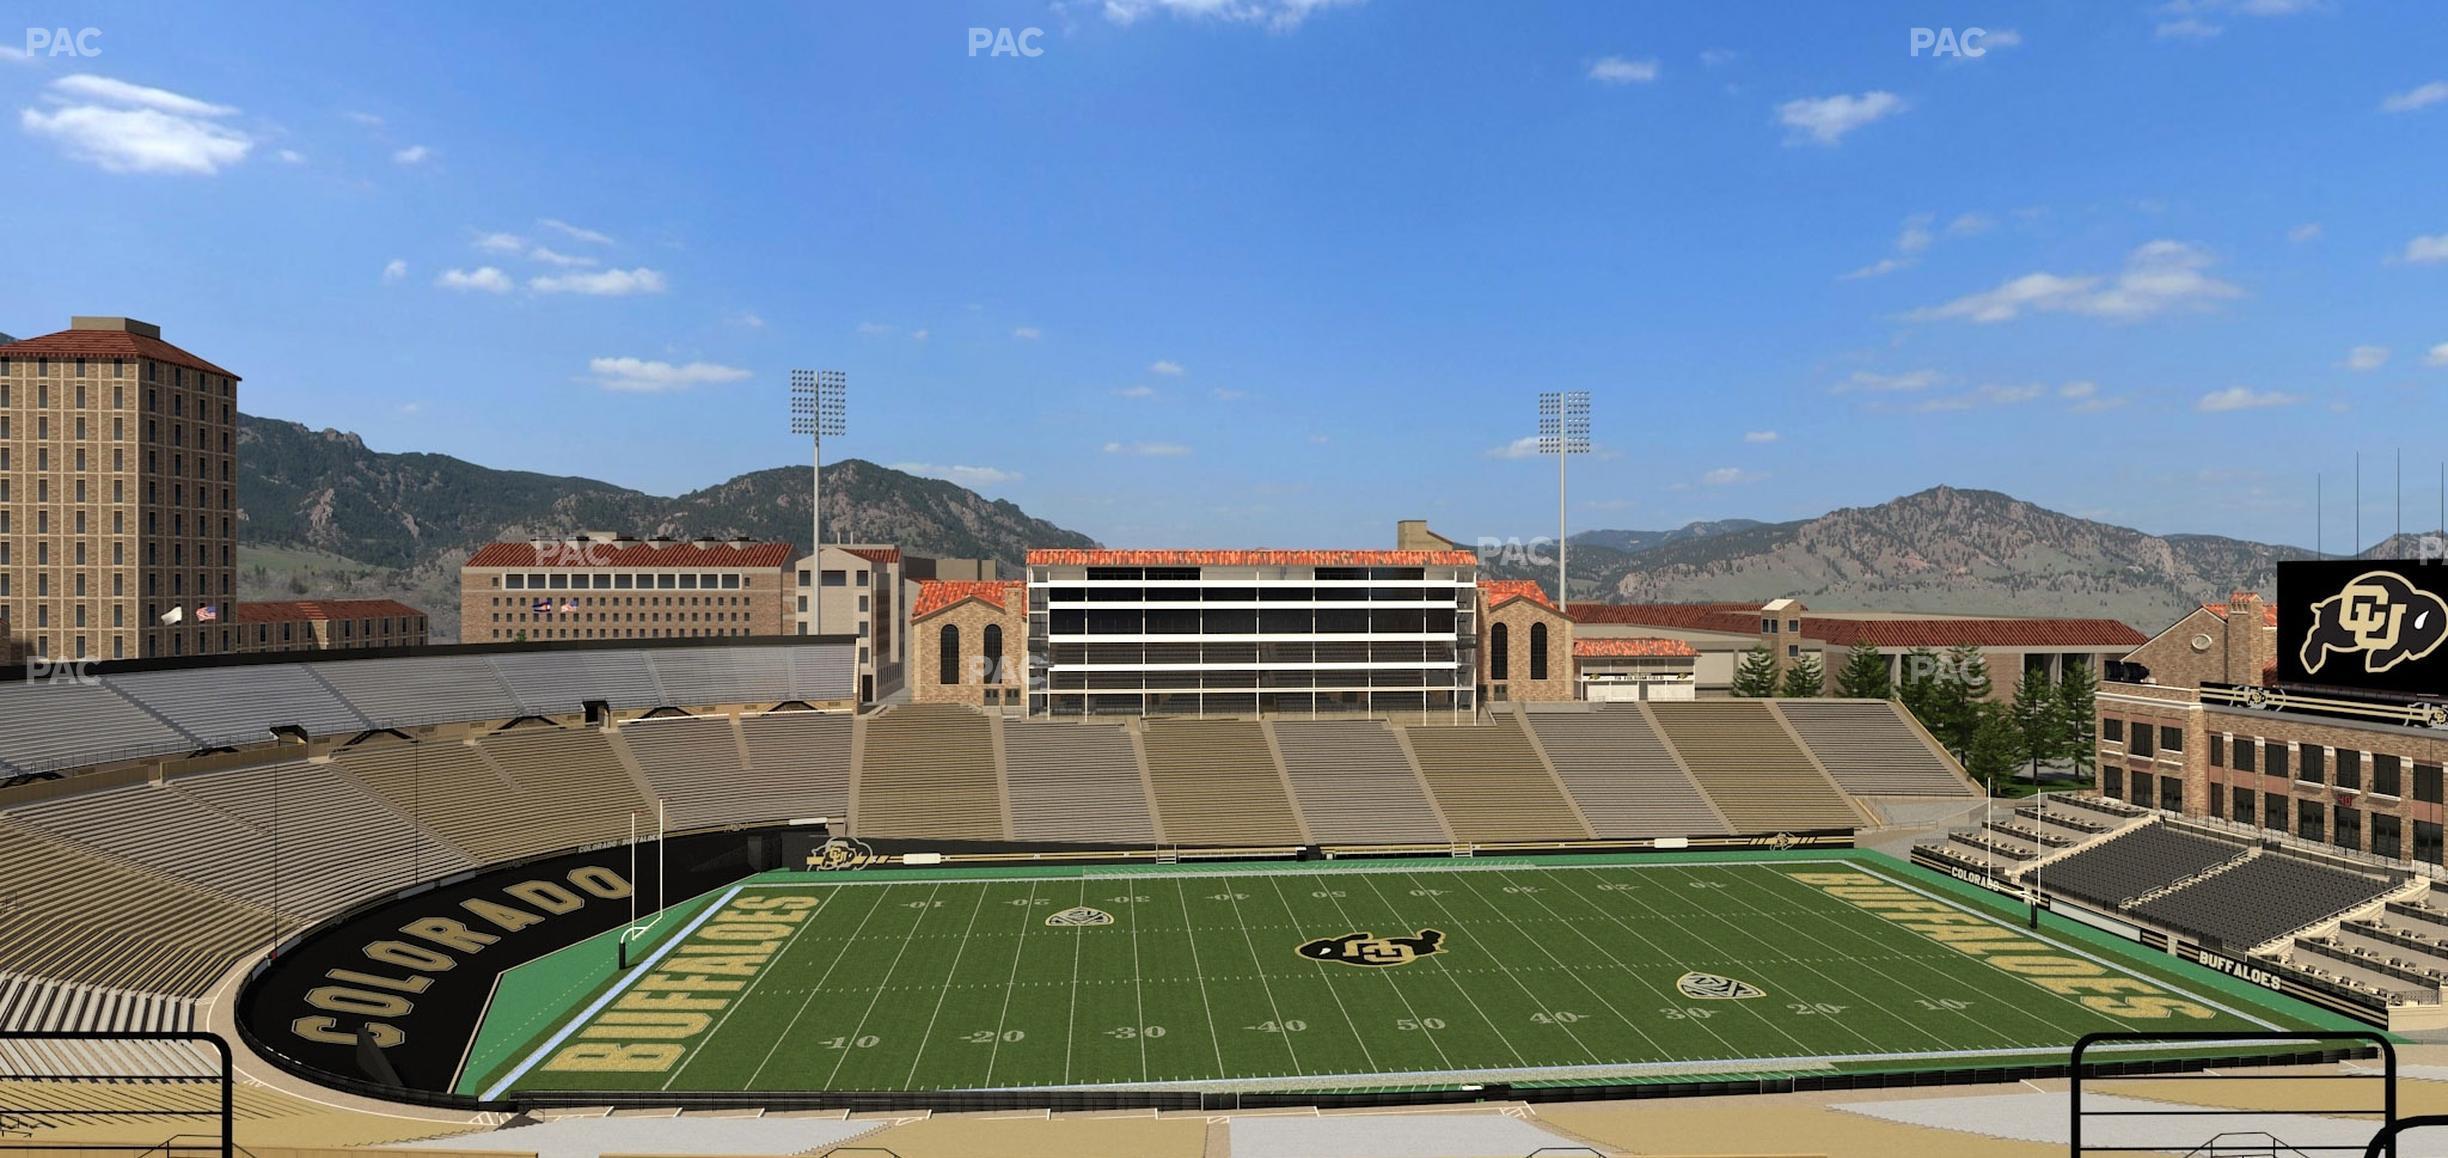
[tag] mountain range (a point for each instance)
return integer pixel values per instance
(323, 515)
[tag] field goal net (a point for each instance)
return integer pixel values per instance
(89, 1093)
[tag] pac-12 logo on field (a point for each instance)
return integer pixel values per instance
(1372, 950)
(1711, 987)
(1079, 918)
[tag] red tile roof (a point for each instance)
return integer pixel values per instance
(1069, 557)
(1650, 648)
(877, 555)
(278, 610)
(1744, 619)
(937, 594)
(1495, 593)
(2269, 612)
(633, 554)
(106, 344)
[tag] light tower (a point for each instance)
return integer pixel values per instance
(818, 407)
(1563, 431)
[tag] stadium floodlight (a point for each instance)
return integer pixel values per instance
(819, 406)
(1563, 431)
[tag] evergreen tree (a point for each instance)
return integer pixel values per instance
(1996, 745)
(1918, 689)
(2038, 718)
(1963, 692)
(1805, 679)
(2077, 715)
(1756, 677)
(1864, 675)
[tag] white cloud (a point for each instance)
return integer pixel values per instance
(1759, 436)
(553, 257)
(2425, 250)
(1148, 449)
(129, 128)
(573, 232)
(1826, 120)
(2438, 355)
(1319, 439)
(2087, 399)
(2242, 398)
(1136, 392)
(1911, 241)
(2187, 28)
(2308, 231)
(1527, 446)
(973, 477)
(1275, 15)
(1228, 394)
(1865, 381)
(610, 283)
(395, 271)
(1717, 57)
(412, 155)
(2366, 358)
(2418, 97)
(1880, 268)
(1616, 70)
(484, 279)
(1173, 369)
(918, 335)
(2158, 276)
(500, 242)
(1970, 225)
(369, 120)
(14, 55)
(748, 320)
(407, 408)
(639, 376)
(874, 329)
(291, 157)
(2002, 38)
(1027, 333)
(1726, 476)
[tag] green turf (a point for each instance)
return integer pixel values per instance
(1546, 972)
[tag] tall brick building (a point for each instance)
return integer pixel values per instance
(118, 495)
(600, 585)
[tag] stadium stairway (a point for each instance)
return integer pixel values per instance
(929, 773)
(1491, 784)
(1753, 770)
(1217, 783)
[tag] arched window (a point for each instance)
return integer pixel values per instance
(1500, 649)
(994, 654)
(948, 655)
(1538, 651)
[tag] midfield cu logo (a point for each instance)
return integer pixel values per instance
(1372, 950)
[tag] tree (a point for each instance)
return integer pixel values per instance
(1919, 689)
(2038, 719)
(1756, 677)
(1996, 744)
(1805, 679)
(1864, 675)
(2077, 690)
(1963, 688)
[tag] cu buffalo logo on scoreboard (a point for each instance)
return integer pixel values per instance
(1711, 987)
(2379, 615)
(1372, 950)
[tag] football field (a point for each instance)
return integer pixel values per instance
(1372, 974)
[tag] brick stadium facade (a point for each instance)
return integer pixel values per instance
(604, 586)
(327, 624)
(969, 643)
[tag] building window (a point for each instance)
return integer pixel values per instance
(1538, 651)
(1500, 652)
(2385, 774)
(2247, 755)
(836, 579)
(947, 656)
(2171, 739)
(2218, 750)
(2311, 820)
(2349, 769)
(2427, 783)
(2347, 832)
(2244, 800)
(993, 650)
(2112, 729)
(2142, 734)
(2274, 812)
(2426, 842)
(2312, 759)
(2112, 783)
(2171, 793)
(2218, 801)
(2384, 835)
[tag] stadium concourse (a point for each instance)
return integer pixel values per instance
(179, 841)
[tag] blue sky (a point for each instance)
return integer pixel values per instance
(1232, 272)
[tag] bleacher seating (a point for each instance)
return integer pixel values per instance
(78, 916)
(1354, 784)
(821, 673)
(723, 675)
(444, 787)
(560, 683)
(415, 690)
(173, 833)
(46, 725)
(2131, 863)
(799, 763)
(339, 843)
(693, 762)
(929, 773)
(1216, 783)
(1490, 785)
(569, 789)
(1076, 782)
(1751, 769)
(240, 705)
(1872, 750)
(2259, 900)
(1622, 775)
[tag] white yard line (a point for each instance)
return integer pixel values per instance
(909, 1081)
(1464, 990)
(1273, 1009)
(850, 1044)
(1535, 997)
(1674, 998)
(1366, 1054)
(1405, 998)
(1138, 990)
(994, 1049)
(840, 954)
(1575, 974)
(1071, 1024)
(1190, 932)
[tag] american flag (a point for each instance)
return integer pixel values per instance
(542, 607)
(569, 607)
(207, 613)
